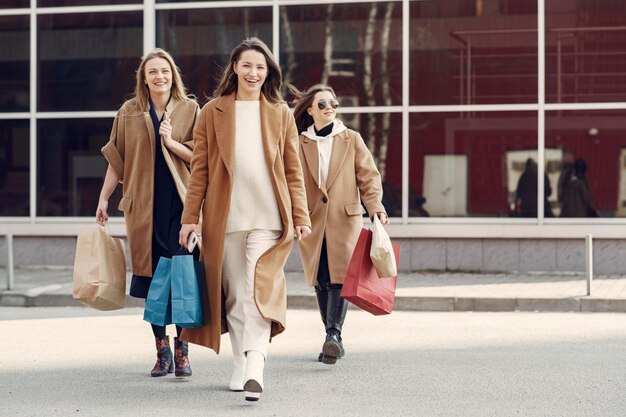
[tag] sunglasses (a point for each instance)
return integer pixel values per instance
(323, 103)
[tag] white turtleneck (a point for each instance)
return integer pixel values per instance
(324, 149)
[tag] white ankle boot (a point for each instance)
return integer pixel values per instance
(255, 362)
(239, 370)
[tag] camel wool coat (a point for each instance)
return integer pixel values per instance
(131, 153)
(211, 183)
(335, 210)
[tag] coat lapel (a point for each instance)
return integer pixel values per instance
(150, 128)
(270, 129)
(340, 150)
(225, 130)
(309, 148)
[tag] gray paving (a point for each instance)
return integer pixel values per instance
(79, 362)
(454, 291)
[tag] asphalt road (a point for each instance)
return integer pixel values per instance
(79, 362)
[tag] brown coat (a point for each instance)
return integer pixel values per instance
(131, 152)
(211, 183)
(336, 211)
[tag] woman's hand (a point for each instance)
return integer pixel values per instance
(165, 130)
(185, 231)
(302, 232)
(383, 218)
(101, 212)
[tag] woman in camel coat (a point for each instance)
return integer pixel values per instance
(339, 173)
(247, 179)
(149, 153)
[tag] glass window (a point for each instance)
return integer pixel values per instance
(61, 3)
(592, 163)
(14, 4)
(87, 61)
(356, 48)
(200, 40)
(382, 133)
(15, 62)
(471, 164)
(71, 168)
(14, 167)
(473, 52)
(585, 51)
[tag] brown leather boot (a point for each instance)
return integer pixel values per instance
(164, 364)
(180, 358)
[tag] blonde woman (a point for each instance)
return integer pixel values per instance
(149, 152)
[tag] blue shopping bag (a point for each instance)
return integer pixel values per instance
(158, 310)
(186, 278)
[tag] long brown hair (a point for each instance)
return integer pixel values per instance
(179, 92)
(273, 82)
(303, 101)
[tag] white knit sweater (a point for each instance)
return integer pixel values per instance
(253, 203)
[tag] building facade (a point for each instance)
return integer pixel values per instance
(498, 125)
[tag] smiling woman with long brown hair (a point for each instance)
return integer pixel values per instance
(247, 180)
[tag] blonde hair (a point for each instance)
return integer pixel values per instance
(179, 92)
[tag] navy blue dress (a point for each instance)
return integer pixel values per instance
(166, 213)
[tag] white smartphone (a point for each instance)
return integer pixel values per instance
(192, 241)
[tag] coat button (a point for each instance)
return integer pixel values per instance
(324, 199)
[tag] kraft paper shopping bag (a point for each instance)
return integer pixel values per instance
(99, 278)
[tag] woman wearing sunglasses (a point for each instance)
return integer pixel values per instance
(339, 173)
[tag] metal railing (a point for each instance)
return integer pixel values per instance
(10, 266)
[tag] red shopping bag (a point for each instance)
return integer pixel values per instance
(362, 286)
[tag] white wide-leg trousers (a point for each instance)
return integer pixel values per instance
(247, 328)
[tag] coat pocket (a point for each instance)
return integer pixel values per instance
(354, 210)
(125, 204)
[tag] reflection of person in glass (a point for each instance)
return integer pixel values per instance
(526, 192)
(567, 168)
(576, 197)
(149, 151)
(339, 172)
(246, 170)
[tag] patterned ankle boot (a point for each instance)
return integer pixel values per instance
(164, 364)
(180, 357)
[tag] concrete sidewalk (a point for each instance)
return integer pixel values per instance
(416, 291)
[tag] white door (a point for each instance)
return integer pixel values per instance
(445, 185)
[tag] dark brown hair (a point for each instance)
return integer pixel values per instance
(303, 101)
(273, 82)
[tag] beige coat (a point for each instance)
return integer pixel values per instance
(211, 183)
(131, 152)
(336, 210)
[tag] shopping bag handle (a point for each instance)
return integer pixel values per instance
(105, 226)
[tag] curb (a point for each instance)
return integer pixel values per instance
(308, 302)
(9, 299)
